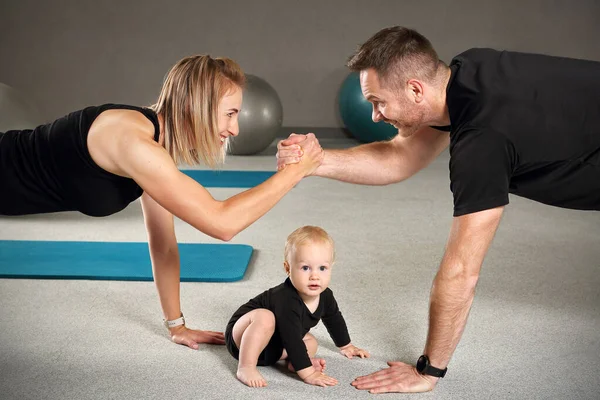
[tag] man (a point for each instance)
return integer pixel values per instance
(516, 123)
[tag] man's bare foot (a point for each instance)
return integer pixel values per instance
(251, 377)
(317, 363)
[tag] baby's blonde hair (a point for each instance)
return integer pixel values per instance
(304, 235)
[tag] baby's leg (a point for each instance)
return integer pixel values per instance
(311, 347)
(251, 334)
(311, 344)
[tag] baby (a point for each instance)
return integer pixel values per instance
(274, 325)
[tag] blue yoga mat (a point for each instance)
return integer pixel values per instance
(118, 261)
(229, 179)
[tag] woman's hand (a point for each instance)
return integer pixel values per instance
(304, 150)
(289, 150)
(190, 337)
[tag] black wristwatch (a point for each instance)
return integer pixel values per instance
(424, 368)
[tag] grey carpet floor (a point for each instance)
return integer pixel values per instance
(533, 332)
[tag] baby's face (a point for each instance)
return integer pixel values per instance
(310, 269)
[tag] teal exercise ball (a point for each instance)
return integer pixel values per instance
(356, 113)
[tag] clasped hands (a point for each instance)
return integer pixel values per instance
(293, 149)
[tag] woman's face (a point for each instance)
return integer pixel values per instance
(229, 109)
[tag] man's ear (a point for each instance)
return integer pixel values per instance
(416, 90)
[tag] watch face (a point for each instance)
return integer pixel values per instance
(422, 363)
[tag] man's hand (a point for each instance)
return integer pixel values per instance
(191, 337)
(351, 350)
(398, 377)
(312, 154)
(289, 151)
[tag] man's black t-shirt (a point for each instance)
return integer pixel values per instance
(525, 124)
(293, 319)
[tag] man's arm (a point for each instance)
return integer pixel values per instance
(378, 163)
(451, 298)
(453, 288)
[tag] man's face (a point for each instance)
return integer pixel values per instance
(393, 105)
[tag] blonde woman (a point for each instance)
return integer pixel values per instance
(99, 159)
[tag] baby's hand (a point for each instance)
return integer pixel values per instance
(318, 378)
(351, 350)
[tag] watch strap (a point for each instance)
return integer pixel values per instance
(433, 371)
(425, 368)
(174, 322)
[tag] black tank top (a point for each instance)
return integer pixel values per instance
(49, 168)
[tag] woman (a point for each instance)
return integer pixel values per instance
(99, 159)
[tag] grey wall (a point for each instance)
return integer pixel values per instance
(66, 54)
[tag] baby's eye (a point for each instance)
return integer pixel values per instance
(323, 268)
(305, 268)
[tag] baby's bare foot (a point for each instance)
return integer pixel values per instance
(317, 363)
(251, 377)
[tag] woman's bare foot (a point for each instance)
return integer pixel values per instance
(317, 363)
(251, 377)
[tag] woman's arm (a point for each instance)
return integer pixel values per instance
(165, 267)
(153, 169)
(164, 255)
(122, 142)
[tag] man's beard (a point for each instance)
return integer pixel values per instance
(408, 130)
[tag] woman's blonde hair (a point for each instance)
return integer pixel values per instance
(304, 235)
(189, 102)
